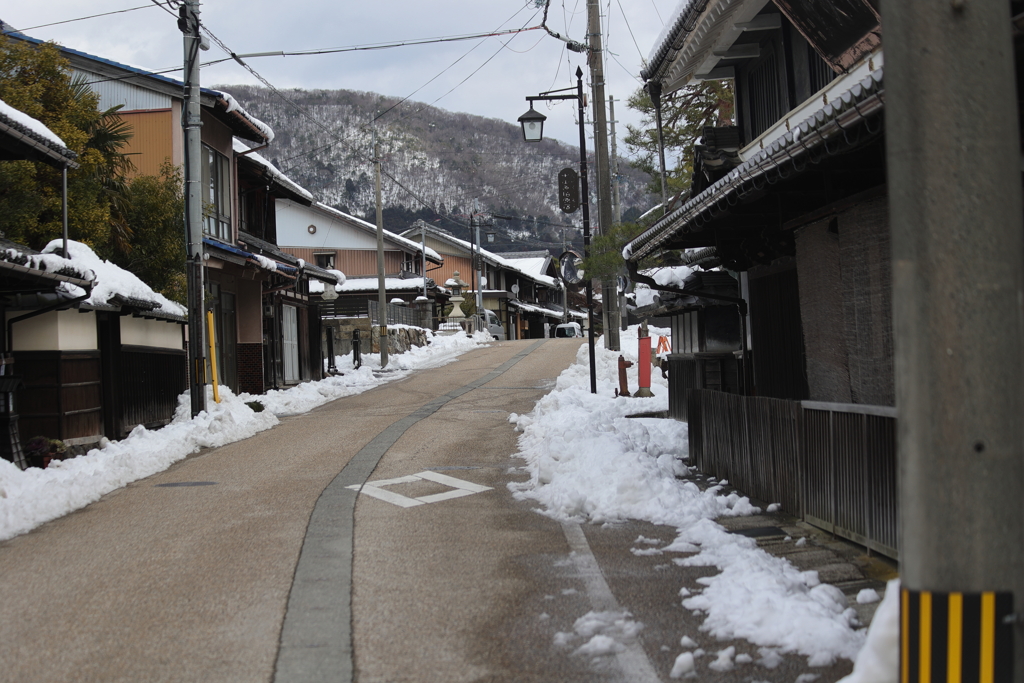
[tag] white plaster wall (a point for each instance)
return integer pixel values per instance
(154, 333)
(293, 221)
(56, 331)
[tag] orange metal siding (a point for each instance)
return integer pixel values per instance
(353, 262)
(152, 140)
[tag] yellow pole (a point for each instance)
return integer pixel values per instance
(213, 355)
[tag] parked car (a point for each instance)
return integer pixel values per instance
(494, 325)
(568, 330)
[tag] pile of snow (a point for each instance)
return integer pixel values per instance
(602, 633)
(34, 496)
(110, 280)
(587, 461)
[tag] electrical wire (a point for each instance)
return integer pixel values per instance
(68, 21)
(380, 46)
(643, 60)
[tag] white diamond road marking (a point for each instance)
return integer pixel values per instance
(459, 487)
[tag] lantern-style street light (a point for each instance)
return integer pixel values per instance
(533, 125)
(533, 131)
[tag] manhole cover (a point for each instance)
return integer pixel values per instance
(187, 483)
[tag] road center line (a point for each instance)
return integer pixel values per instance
(316, 638)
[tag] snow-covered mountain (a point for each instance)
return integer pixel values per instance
(436, 162)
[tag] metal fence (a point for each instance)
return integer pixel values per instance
(834, 465)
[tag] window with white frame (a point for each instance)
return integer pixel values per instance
(216, 194)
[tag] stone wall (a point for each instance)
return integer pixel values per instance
(402, 338)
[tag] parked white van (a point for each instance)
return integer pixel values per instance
(494, 326)
(568, 330)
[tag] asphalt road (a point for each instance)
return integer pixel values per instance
(266, 561)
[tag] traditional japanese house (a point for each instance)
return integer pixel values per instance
(519, 291)
(792, 199)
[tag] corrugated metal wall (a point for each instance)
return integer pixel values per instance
(130, 97)
(152, 140)
(353, 262)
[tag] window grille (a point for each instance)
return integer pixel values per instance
(821, 73)
(764, 100)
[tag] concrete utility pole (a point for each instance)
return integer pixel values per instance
(616, 205)
(191, 122)
(609, 294)
(958, 289)
(382, 297)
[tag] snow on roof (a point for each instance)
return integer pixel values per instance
(404, 241)
(111, 280)
(32, 125)
(281, 178)
(668, 33)
(534, 266)
(233, 106)
(391, 284)
(495, 259)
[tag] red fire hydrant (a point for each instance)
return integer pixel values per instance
(644, 362)
(623, 382)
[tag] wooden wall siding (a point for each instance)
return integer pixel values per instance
(152, 140)
(61, 396)
(451, 264)
(353, 262)
(150, 382)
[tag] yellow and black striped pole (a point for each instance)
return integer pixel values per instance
(956, 637)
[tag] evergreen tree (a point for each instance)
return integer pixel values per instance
(36, 79)
(684, 114)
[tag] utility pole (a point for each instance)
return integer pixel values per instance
(958, 323)
(609, 294)
(382, 298)
(191, 122)
(479, 276)
(616, 206)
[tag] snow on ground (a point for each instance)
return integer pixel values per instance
(34, 496)
(587, 461)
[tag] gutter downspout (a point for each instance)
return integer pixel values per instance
(740, 304)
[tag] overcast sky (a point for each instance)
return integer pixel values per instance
(489, 77)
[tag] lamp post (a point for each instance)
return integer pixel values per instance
(533, 131)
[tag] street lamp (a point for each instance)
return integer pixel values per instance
(533, 125)
(533, 131)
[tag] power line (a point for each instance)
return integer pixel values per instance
(376, 46)
(68, 21)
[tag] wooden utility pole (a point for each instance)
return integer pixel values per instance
(953, 154)
(382, 296)
(609, 293)
(191, 122)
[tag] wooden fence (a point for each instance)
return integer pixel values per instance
(832, 464)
